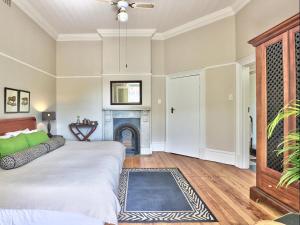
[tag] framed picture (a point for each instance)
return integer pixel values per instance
(11, 99)
(24, 101)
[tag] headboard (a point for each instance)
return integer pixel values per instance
(9, 125)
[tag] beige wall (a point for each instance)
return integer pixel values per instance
(158, 58)
(138, 55)
(220, 111)
(259, 16)
(27, 43)
(79, 96)
(158, 93)
(79, 58)
(158, 109)
(210, 45)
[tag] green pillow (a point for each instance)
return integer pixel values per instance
(36, 138)
(12, 145)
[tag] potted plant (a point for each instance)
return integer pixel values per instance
(290, 144)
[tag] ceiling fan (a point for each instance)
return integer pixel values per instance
(123, 5)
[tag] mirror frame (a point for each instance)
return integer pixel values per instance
(126, 82)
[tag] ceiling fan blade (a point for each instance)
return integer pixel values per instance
(142, 5)
(108, 1)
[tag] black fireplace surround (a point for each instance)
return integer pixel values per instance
(127, 131)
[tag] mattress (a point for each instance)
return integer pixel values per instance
(80, 178)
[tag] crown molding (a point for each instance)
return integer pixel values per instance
(192, 25)
(202, 21)
(79, 37)
(128, 33)
(126, 74)
(26, 7)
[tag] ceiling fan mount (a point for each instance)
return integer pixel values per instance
(123, 5)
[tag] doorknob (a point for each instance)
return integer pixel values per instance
(172, 110)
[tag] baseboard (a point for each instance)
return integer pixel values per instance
(218, 156)
(146, 151)
(158, 146)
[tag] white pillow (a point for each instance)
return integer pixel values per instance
(5, 137)
(31, 131)
(16, 133)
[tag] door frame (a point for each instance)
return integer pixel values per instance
(243, 122)
(192, 73)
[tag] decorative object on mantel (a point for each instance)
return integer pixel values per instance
(49, 116)
(75, 128)
(16, 101)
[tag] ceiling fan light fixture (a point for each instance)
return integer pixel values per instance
(123, 16)
(122, 4)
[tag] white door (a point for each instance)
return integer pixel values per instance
(183, 115)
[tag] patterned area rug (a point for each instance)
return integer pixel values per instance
(160, 195)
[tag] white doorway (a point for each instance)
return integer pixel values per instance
(252, 115)
(183, 115)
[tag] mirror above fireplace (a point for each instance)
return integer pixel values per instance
(126, 92)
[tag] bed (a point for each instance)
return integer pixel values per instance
(78, 179)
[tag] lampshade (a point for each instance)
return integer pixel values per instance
(46, 116)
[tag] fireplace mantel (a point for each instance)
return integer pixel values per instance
(127, 108)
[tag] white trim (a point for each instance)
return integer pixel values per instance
(127, 74)
(202, 111)
(219, 156)
(200, 22)
(159, 76)
(158, 37)
(220, 65)
(239, 5)
(158, 146)
(27, 64)
(242, 117)
(123, 32)
(79, 37)
(146, 151)
(238, 116)
(78, 77)
(247, 60)
(185, 73)
(27, 8)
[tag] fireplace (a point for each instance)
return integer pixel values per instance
(131, 127)
(127, 131)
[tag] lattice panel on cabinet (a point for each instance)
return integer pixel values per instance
(275, 102)
(297, 47)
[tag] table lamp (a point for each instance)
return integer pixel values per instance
(49, 116)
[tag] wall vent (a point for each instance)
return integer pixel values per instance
(7, 2)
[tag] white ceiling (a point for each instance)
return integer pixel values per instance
(86, 16)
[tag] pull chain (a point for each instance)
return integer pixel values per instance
(119, 46)
(126, 65)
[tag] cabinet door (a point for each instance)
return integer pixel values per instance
(272, 95)
(294, 40)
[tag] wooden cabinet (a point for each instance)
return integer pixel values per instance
(278, 83)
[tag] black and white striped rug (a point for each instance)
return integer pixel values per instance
(160, 195)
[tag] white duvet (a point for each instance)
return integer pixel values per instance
(77, 178)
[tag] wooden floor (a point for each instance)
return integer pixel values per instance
(225, 189)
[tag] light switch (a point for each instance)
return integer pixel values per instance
(230, 97)
(159, 101)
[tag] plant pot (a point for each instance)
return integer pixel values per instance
(289, 219)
